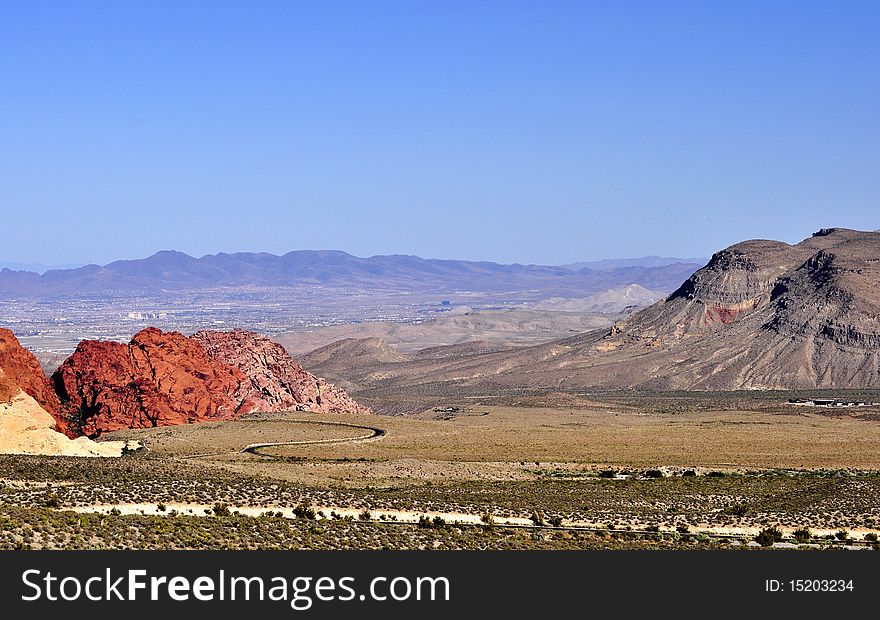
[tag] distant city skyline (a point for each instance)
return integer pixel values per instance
(513, 132)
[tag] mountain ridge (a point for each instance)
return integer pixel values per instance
(171, 269)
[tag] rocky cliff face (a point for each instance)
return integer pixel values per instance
(166, 378)
(24, 371)
(760, 315)
(273, 380)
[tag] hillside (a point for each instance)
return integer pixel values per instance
(760, 315)
(500, 328)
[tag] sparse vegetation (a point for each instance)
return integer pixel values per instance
(802, 535)
(52, 501)
(636, 510)
(769, 536)
(305, 511)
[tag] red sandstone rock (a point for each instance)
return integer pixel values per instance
(275, 382)
(158, 379)
(8, 389)
(165, 378)
(22, 369)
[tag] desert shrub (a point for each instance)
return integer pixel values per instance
(488, 519)
(871, 537)
(537, 518)
(683, 529)
(740, 510)
(768, 536)
(842, 535)
(304, 511)
(52, 501)
(555, 521)
(365, 515)
(607, 473)
(802, 535)
(221, 510)
(653, 473)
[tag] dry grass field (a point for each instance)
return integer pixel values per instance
(674, 472)
(510, 443)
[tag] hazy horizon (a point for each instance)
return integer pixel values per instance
(42, 268)
(501, 131)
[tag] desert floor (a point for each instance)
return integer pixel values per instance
(683, 472)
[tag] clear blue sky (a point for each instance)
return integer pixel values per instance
(543, 132)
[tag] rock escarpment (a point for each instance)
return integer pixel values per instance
(761, 314)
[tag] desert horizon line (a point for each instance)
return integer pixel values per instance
(41, 268)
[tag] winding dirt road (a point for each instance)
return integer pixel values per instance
(370, 433)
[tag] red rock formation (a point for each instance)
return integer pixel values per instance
(158, 379)
(165, 378)
(22, 369)
(275, 382)
(8, 389)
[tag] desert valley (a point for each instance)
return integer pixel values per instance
(728, 405)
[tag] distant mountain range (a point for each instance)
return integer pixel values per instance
(40, 268)
(644, 261)
(174, 271)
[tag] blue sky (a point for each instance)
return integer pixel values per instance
(545, 132)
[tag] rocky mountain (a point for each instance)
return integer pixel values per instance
(759, 315)
(170, 270)
(166, 378)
